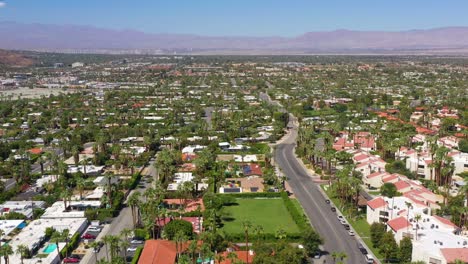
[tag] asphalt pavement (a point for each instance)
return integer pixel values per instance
(312, 200)
(123, 220)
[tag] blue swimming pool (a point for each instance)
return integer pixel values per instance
(22, 225)
(50, 248)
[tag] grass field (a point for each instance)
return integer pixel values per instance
(271, 214)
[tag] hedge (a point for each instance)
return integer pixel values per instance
(269, 237)
(137, 255)
(297, 216)
(72, 244)
(142, 233)
(254, 195)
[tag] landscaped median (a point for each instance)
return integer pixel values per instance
(358, 222)
(275, 213)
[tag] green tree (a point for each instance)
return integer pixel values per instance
(376, 232)
(388, 246)
(175, 226)
(311, 241)
(6, 250)
(23, 251)
(406, 249)
(389, 190)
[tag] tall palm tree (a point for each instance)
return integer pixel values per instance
(409, 206)
(80, 185)
(22, 250)
(417, 218)
(134, 202)
(107, 239)
(95, 245)
(246, 225)
(7, 250)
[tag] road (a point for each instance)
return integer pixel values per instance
(308, 193)
(123, 220)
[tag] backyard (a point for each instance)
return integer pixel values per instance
(271, 214)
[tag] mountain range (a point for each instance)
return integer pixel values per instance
(71, 38)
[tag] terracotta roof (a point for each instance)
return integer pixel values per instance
(401, 185)
(398, 223)
(376, 203)
(160, 252)
(361, 157)
(241, 256)
(445, 221)
(452, 254)
(35, 151)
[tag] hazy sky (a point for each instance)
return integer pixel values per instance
(241, 17)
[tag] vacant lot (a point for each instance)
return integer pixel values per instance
(271, 214)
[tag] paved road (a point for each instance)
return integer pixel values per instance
(123, 220)
(308, 193)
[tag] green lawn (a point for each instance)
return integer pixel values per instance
(271, 214)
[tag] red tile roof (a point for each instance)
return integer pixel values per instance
(452, 254)
(376, 203)
(445, 221)
(400, 185)
(160, 252)
(241, 256)
(398, 223)
(35, 151)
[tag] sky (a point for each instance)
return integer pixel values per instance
(240, 17)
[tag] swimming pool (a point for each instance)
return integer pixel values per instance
(50, 248)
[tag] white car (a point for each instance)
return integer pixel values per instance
(132, 249)
(351, 233)
(94, 229)
(340, 217)
(136, 241)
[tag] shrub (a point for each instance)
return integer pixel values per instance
(176, 226)
(297, 216)
(136, 257)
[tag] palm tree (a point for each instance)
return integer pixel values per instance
(80, 185)
(7, 250)
(417, 218)
(56, 238)
(95, 245)
(247, 225)
(409, 206)
(133, 202)
(22, 250)
(335, 255)
(342, 256)
(107, 239)
(179, 239)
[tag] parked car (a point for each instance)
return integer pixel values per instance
(333, 209)
(340, 217)
(71, 260)
(362, 248)
(343, 222)
(88, 236)
(351, 233)
(327, 201)
(137, 241)
(94, 229)
(346, 226)
(369, 259)
(132, 249)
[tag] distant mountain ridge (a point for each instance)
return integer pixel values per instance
(74, 38)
